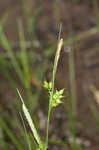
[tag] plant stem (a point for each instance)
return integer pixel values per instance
(60, 43)
(73, 81)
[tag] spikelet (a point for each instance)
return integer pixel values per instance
(60, 44)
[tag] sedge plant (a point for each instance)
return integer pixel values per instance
(55, 97)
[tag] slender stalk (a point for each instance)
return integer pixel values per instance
(73, 81)
(53, 80)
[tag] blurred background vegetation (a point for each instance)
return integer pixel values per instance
(28, 39)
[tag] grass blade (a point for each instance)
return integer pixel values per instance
(29, 120)
(11, 136)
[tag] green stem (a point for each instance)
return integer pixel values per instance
(53, 80)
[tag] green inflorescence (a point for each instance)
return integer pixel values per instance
(57, 96)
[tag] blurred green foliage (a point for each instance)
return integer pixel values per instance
(25, 69)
